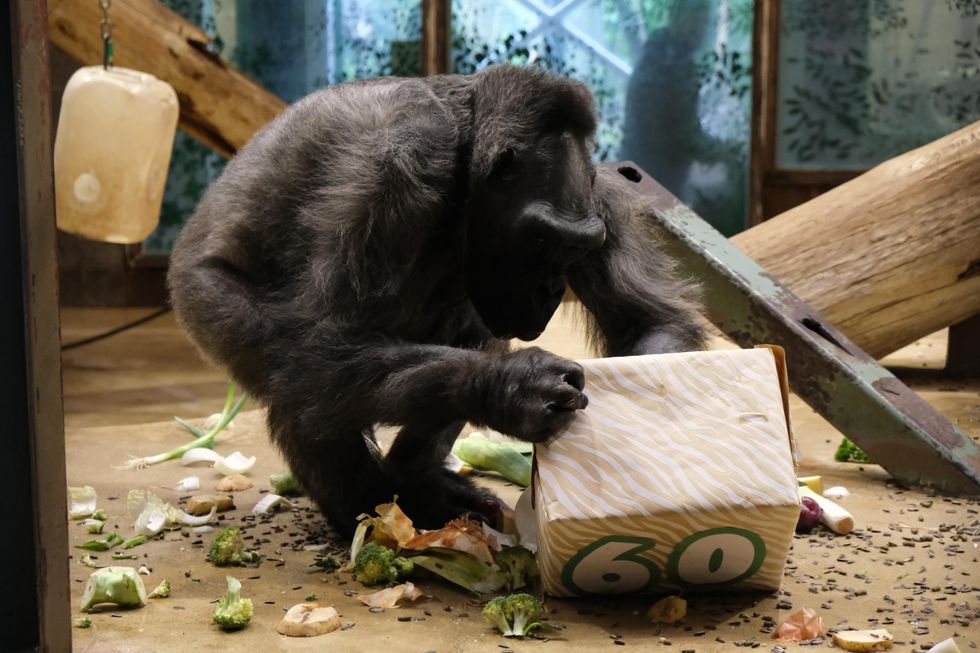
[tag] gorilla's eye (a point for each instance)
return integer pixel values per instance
(506, 167)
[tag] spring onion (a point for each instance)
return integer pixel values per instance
(205, 440)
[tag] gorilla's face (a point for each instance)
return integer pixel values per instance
(528, 221)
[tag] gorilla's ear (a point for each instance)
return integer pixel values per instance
(513, 106)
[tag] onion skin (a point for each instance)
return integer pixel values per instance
(810, 512)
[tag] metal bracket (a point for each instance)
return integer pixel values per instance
(864, 401)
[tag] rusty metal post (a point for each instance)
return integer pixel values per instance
(864, 401)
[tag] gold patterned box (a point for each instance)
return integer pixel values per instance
(679, 474)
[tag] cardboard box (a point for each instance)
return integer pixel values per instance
(679, 474)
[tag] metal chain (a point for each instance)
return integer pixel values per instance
(105, 31)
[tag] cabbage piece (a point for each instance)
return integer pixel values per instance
(81, 501)
(152, 514)
(200, 455)
(189, 484)
(119, 585)
(235, 463)
(270, 502)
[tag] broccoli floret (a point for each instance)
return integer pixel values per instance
(524, 611)
(519, 565)
(376, 564)
(285, 484)
(228, 549)
(496, 614)
(161, 591)
(848, 452)
(515, 615)
(328, 562)
(89, 561)
(233, 612)
(100, 514)
(83, 622)
(403, 566)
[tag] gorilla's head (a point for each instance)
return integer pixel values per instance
(530, 209)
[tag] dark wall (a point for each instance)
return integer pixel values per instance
(18, 600)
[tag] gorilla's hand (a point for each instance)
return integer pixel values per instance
(532, 394)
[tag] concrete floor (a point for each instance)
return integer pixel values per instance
(911, 565)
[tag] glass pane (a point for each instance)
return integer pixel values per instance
(192, 165)
(371, 38)
(671, 77)
(865, 80)
(292, 48)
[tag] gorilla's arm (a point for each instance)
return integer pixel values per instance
(636, 303)
(374, 380)
(332, 389)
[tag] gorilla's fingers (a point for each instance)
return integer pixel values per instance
(567, 397)
(534, 394)
(575, 376)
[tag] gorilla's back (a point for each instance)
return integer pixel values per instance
(276, 219)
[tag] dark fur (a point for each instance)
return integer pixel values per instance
(362, 259)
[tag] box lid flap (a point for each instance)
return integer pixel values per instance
(690, 432)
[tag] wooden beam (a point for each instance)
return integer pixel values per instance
(890, 256)
(765, 64)
(36, 605)
(219, 105)
(436, 17)
(809, 177)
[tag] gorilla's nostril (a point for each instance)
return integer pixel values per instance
(630, 173)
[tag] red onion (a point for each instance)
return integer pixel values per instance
(809, 515)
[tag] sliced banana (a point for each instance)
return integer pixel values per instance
(864, 640)
(309, 620)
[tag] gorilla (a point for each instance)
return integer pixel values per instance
(365, 259)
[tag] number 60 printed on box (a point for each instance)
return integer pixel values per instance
(679, 474)
(711, 559)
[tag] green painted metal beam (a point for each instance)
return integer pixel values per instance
(862, 399)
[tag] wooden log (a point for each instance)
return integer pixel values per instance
(219, 105)
(890, 256)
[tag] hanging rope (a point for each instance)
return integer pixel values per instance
(105, 31)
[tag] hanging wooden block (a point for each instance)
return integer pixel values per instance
(112, 151)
